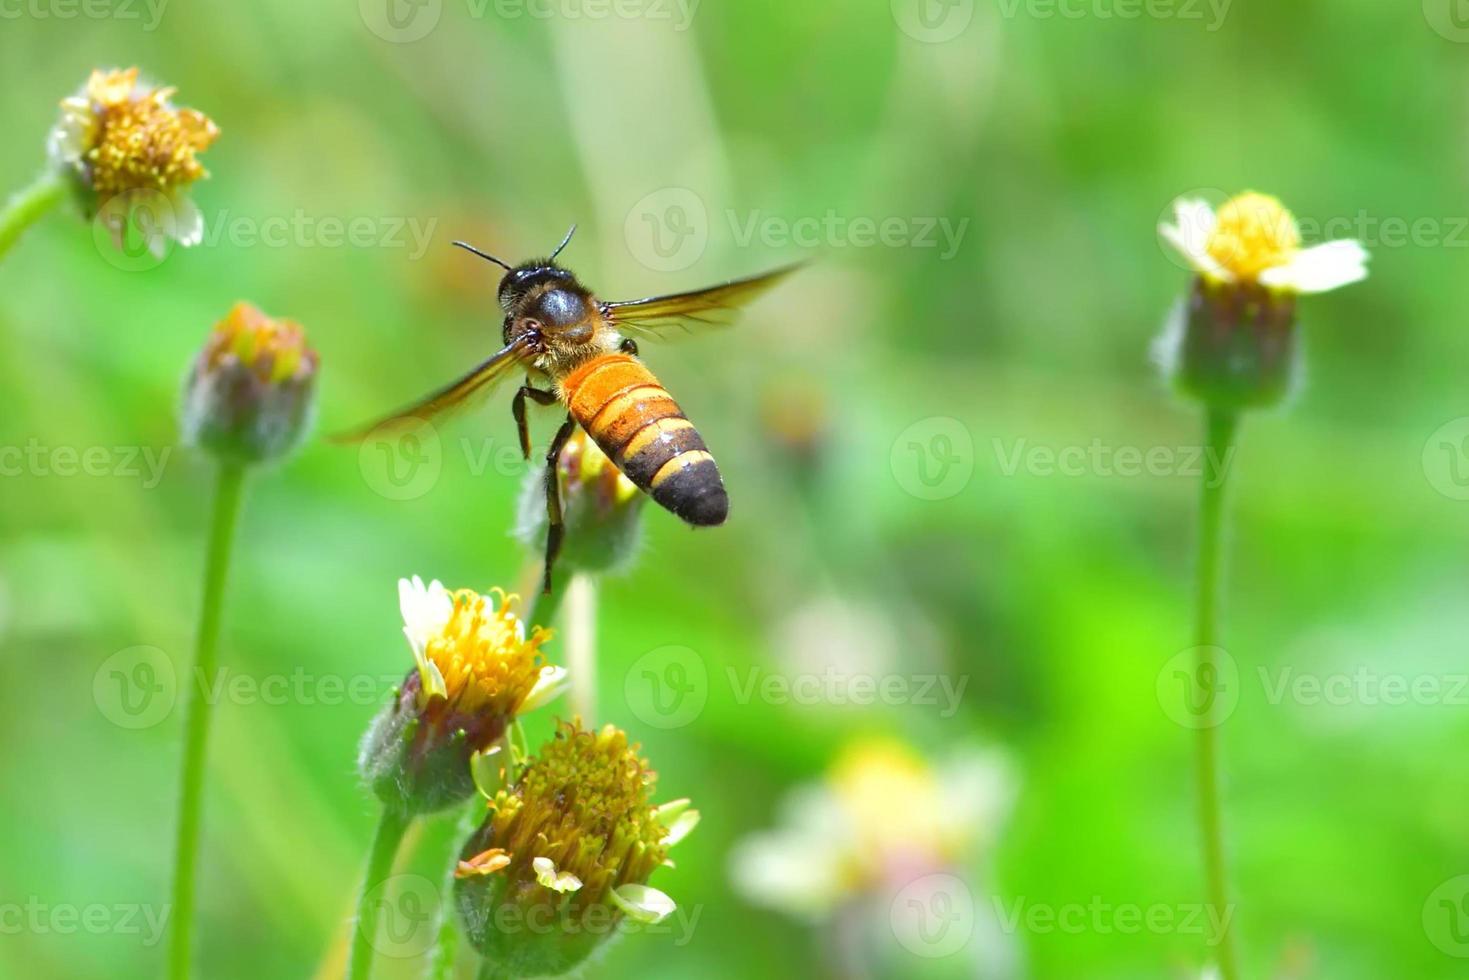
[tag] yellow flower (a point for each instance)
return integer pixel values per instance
(471, 656)
(1253, 239)
(881, 815)
(119, 137)
(572, 841)
(475, 671)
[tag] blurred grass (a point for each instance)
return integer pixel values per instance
(1060, 142)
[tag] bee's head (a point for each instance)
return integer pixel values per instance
(541, 296)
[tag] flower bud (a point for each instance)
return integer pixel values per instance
(125, 146)
(564, 856)
(476, 671)
(249, 396)
(599, 505)
(1234, 347)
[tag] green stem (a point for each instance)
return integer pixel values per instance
(1220, 427)
(543, 608)
(28, 204)
(227, 496)
(379, 865)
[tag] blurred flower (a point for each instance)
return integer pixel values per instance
(1232, 343)
(249, 397)
(881, 818)
(1254, 239)
(599, 505)
(118, 139)
(565, 854)
(475, 672)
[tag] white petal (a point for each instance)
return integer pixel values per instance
(682, 826)
(425, 611)
(552, 683)
(547, 875)
(188, 221)
(1190, 236)
(643, 903)
(1319, 268)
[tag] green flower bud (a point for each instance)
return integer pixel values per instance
(599, 505)
(249, 397)
(563, 859)
(476, 671)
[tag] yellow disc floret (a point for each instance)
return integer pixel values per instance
(484, 657)
(123, 136)
(1254, 232)
(583, 806)
(273, 349)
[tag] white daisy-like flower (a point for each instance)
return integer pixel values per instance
(1253, 239)
(881, 815)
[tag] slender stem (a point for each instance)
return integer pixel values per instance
(379, 865)
(1220, 429)
(227, 496)
(543, 608)
(27, 205)
(581, 645)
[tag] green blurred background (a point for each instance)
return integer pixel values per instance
(686, 142)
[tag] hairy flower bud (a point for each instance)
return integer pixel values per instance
(476, 671)
(599, 505)
(564, 856)
(249, 396)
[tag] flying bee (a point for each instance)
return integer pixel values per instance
(582, 353)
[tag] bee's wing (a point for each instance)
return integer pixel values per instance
(658, 316)
(454, 395)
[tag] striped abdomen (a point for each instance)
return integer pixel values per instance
(641, 429)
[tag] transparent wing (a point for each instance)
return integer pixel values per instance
(453, 396)
(658, 316)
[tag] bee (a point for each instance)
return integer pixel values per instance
(581, 352)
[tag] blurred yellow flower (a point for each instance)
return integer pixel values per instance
(1253, 239)
(882, 814)
(118, 136)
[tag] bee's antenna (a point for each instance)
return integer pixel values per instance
(563, 243)
(484, 255)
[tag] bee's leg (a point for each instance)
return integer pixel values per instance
(628, 346)
(554, 526)
(517, 408)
